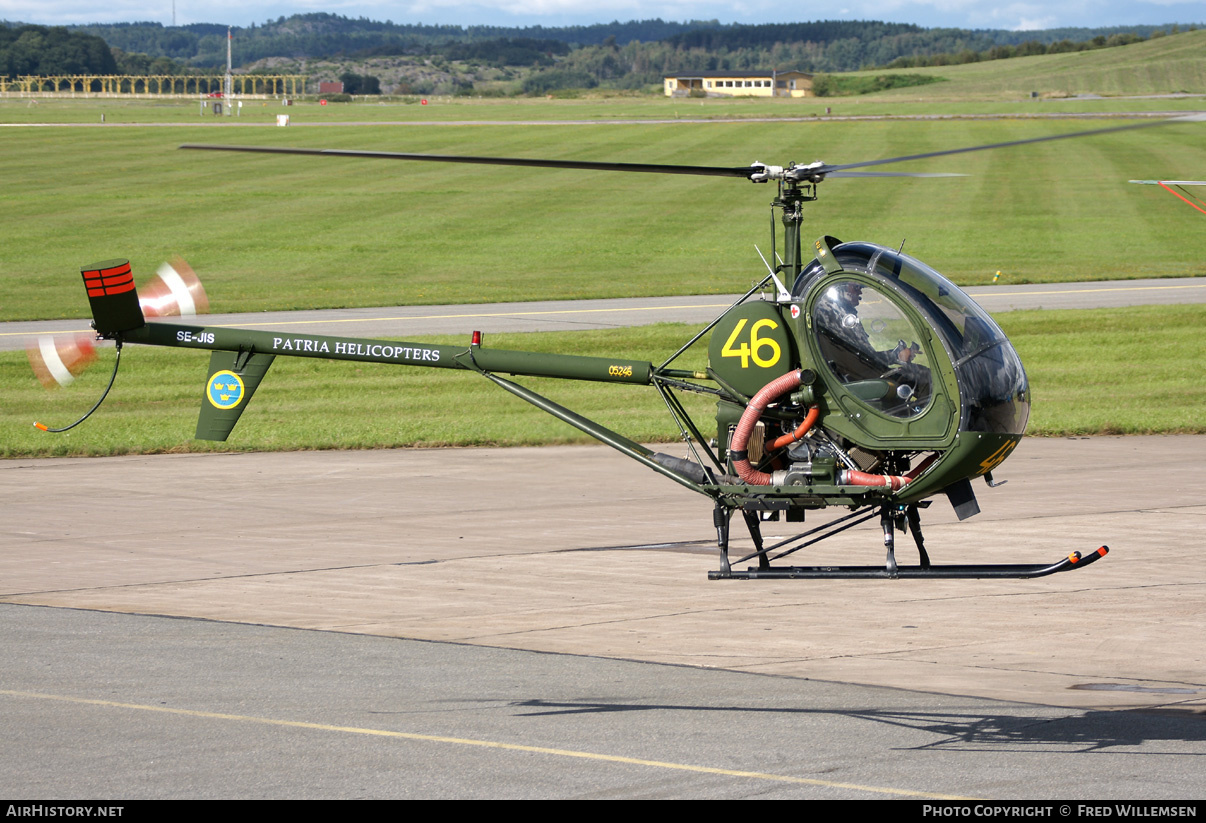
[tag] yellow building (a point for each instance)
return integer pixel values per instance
(747, 83)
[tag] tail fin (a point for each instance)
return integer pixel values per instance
(114, 301)
(233, 379)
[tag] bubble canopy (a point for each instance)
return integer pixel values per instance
(994, 391)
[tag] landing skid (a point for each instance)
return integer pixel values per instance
(948, 572)
(892, 519)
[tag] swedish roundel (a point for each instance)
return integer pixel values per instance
(225, 389)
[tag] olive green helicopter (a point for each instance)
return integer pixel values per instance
(859, 378)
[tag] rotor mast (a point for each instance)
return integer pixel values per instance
(797, 186)
(791, 198)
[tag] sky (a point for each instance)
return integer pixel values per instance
(970, 14)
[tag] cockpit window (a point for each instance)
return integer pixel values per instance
(871, 347)
(965, 326)
(996, 396)
(995, 390)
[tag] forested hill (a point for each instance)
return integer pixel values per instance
(328, 35)
(41, 50)
(817, 46)
(842, 45)
(417, 59)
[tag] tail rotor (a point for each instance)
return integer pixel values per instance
(174, 291)
(57, 359)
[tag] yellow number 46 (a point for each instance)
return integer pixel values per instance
(756, 347)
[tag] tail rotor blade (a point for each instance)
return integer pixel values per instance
(174, 291)
(58, 359)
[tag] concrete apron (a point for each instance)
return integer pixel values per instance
(577, 550)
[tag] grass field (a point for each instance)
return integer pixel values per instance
(939, 99)
(1124, 371)
(292, 232)
(1166, 65)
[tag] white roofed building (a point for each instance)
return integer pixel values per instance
(747, 83)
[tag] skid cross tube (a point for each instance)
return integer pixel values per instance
(831, 528)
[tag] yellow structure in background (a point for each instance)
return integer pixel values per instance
(112, 85)
(746, 83)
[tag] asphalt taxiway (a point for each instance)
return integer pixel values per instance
(539, 623)
(569, 315)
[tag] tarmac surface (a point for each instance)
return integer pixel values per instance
(568, 315)
(538, 623)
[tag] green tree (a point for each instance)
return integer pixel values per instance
(43, 50)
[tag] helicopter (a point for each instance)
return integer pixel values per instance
(859, 379)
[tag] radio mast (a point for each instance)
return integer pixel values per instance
(228, 81)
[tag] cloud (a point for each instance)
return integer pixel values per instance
(1026, 24)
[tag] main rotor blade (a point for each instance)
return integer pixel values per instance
(829, 169)
(585, 165)
(756, 171)
(894, 174)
